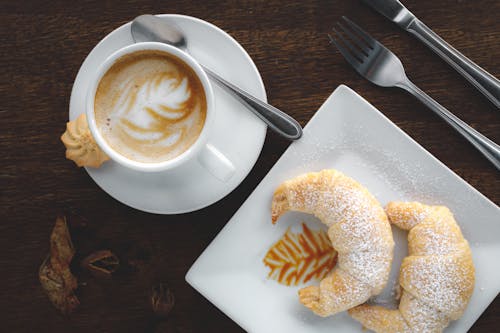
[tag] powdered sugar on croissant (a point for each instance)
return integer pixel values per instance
(437, 278)
(358, 229)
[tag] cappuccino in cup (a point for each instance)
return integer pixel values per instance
(150, 106)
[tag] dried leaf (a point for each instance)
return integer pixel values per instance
(101, 263)
(298, 258)
(54, 274)
(162, 300)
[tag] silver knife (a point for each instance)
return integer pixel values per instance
(481, 79)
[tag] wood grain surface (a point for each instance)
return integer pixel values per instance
(43, 46)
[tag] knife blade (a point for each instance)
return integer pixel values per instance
(395, 11)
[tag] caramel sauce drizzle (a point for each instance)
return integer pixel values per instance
(299, 257)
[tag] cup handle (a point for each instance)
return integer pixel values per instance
(216, 163)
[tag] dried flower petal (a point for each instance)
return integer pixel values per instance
(162, 300)
(54, 274)
(101, 263)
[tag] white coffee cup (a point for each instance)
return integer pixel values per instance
(208, 156)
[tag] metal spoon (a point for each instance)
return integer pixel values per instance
(147, 28)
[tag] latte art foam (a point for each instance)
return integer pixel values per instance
(150, 106)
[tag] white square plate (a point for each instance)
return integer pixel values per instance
(348, 134)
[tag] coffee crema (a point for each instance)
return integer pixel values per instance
(150, 106)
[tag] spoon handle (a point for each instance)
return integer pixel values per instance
(276, 119)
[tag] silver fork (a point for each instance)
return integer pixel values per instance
(379, 65)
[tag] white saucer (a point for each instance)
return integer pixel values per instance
(238, 134)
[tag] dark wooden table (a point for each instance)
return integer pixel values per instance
(43, 46)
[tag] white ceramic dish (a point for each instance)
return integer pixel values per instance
(236, 129)
(350, 135)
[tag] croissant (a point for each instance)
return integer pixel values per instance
(437, 278)
(80, 144)
(358, 229)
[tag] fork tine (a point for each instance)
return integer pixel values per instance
(369, 39)
(350, 59)
(354, 52)
(357, 41)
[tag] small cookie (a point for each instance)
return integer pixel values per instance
(80, 144)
